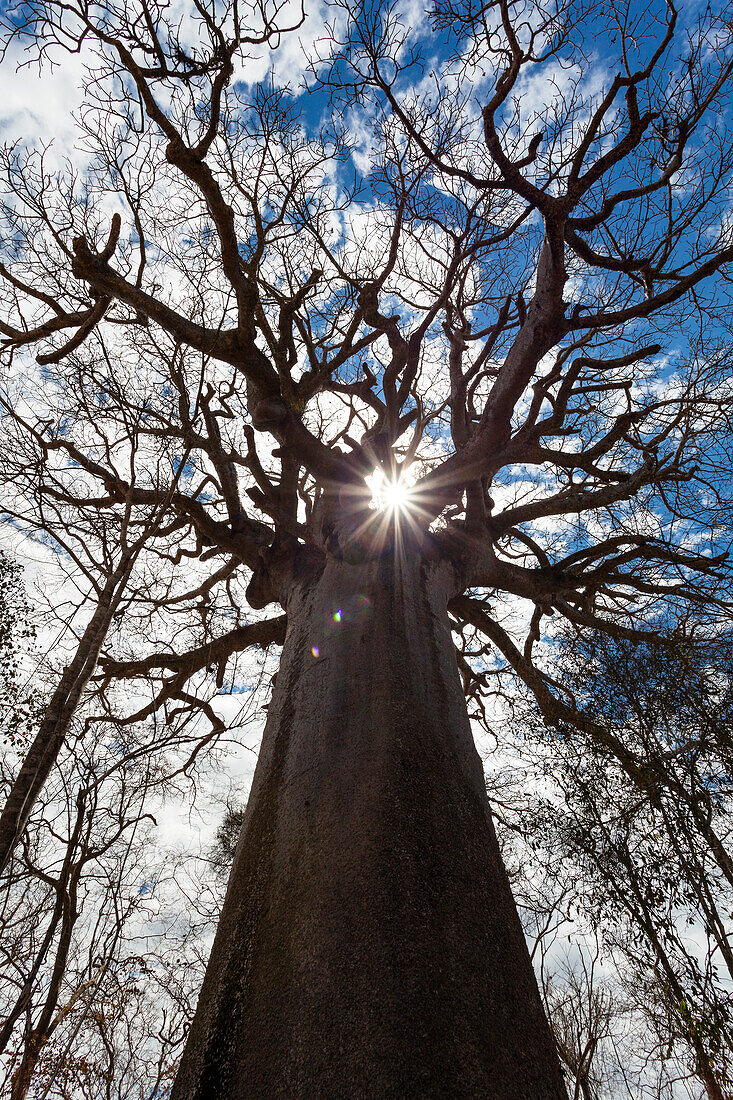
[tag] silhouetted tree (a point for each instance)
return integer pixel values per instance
(513, 320)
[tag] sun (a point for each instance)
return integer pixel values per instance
(388, 494)
(396, 495)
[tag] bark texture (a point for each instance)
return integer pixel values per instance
(369, 945)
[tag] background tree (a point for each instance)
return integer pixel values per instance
(96, 989)
(39, 757)
(235, 334)
(16, 632)
(105, 927)
(638, 824)
(581, 1013)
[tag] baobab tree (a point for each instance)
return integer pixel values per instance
(441, 339)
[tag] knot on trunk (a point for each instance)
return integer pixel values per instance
(260, 590)
(269, 413)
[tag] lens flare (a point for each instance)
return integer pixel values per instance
(388, 494)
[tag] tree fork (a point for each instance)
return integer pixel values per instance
(369, 945)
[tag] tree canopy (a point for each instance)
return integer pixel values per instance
(244, 301)
(361, 283)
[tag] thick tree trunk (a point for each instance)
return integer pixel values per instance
(369, 945)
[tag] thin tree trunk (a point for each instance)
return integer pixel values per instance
(713, 1090)
(54, 727)
(369, 945)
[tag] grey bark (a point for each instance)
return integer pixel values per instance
(369, 945)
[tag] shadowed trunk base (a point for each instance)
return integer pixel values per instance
(369, 946)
